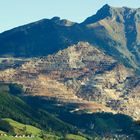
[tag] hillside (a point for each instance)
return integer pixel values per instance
(100, 125)
(80, 74)
(13, 107)
(18, 128)
(26, 125)
(13, 130)
(28, 112)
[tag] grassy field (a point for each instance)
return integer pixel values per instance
(20, 127)
(74, 137)
(52, 137)
(12, 138)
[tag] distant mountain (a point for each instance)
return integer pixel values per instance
(114, 30)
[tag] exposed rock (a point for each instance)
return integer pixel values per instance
(81, 74)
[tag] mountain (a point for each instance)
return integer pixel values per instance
(114, 30)
(119, 27)
(39, 38)
(80, 74)
(80, 78)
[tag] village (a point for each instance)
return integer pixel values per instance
(17, 135)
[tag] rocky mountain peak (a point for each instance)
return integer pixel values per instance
(104, 12)
(105, 9)
(111, 12)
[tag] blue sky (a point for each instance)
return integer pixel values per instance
(18, 12)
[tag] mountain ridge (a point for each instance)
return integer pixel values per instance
(114, 30)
